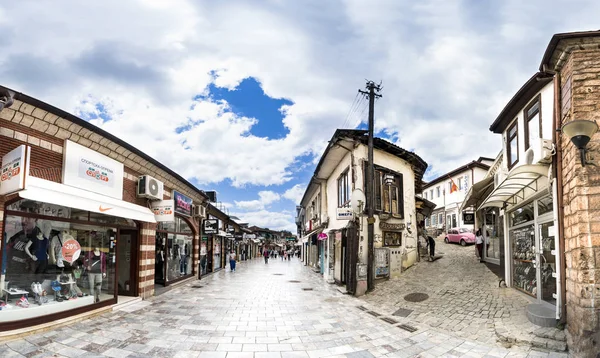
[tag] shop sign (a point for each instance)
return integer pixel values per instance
(388, 226)
(468, 218)
(92, 171)
(250, 236)
(163, 210)
(15, 170)
(71, 250)
(183, 204)
(290, 239)
(239, 236)
(343, 213)
(211, 226)
(230, 228)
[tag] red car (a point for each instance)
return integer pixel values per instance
(460, 235)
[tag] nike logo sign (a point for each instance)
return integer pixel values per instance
(103, 209)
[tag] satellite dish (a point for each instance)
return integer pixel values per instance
(357, 201)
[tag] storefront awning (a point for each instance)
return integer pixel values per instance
(256, 241)
(520, 183)
(64, 195)
(477, 193)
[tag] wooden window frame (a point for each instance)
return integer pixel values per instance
(508, 141)
(343, 187)
(528, 118)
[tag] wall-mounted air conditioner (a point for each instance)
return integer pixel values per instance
(540, 150)
(150, 188)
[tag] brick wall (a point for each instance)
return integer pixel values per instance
(46, 132)
(581, 202)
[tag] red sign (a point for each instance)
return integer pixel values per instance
(71, 250)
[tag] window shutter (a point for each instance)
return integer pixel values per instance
(400, 183)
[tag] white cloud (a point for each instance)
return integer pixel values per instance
(295, 193)
(268, 219)
(265, 198)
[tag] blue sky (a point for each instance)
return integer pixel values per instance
(242, 96)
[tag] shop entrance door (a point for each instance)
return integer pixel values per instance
(209, 254)
(127, 258)
(547, 262)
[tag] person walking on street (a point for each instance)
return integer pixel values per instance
(479, 244)
(431, 244)
(232, 261)
(266, 256)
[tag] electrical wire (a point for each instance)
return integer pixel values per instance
(357, 100)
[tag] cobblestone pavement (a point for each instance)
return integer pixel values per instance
(465, 300)
(278, 310)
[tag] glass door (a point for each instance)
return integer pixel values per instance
(126, 262)
(524, 259)
(547, 262)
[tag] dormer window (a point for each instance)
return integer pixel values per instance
(512, 145)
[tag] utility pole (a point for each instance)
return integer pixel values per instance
(372, 92)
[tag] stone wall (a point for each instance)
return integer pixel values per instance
(581, 202)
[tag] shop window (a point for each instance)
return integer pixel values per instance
(512, 145)
(50, 266)
(174, 250)
(440, 218)
(522, 215)
(392, 238)
(545, 205)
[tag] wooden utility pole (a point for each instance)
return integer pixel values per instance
(372, 92)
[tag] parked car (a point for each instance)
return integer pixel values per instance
(461, 235)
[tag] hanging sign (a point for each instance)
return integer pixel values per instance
(211, 226)
(343, 213)
(14, 170)
(322, 236)
(183, 204)
(85, 168)
(70, 250)
(163, 210)
(468, 218)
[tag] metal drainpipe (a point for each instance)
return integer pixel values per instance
(557, 163)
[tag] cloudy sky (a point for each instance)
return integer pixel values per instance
(242, 96)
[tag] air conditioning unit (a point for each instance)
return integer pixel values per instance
(199, 211)
(539, 150)
(150, 188)
(499, 176)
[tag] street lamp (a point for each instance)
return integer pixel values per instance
(580, 131)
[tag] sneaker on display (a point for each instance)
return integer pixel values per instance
(23, 302)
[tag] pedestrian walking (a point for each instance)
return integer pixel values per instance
(266, 256)
(479, 244)
(431, 245)
(232, 261)
(285, 255)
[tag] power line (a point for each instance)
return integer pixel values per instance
(357, 100)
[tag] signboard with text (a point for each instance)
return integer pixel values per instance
(163, 210)
(183, 204)
(85, 168)
(211, 226)
(343, 213)
(14, 170)
(468, 218)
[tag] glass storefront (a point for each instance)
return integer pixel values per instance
(533, 242)
(56, 259)
(494, 233)
(203, 255)
(217, 240)
(174, 242)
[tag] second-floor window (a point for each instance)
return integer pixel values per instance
(512, 145)
(389, 195)
(460, 183)
(438, 191)
(425, 195)
(343, 186)
(431, 193)
(533, 123)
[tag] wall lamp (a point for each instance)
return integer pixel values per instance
(580, 131)
(6, 98)
(388, 179)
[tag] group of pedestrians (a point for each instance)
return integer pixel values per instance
(283, 254)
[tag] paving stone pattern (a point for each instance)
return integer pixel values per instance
(251, 313)
(465, 300)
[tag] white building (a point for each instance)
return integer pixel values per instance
(335, 238)
(448, 193)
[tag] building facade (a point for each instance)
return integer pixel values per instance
(542, 196)
(333, 227)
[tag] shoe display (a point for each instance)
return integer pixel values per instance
(23, 302)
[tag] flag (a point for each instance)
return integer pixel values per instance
(453, 186)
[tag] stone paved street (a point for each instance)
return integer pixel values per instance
(282, 309)
(464, 299)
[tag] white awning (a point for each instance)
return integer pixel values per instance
(59, 194)
(522, 182)
(222, 233)
(478, 192)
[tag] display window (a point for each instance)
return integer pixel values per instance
(55, 259)
(174, 242)
(203, 255)
(494, 233)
